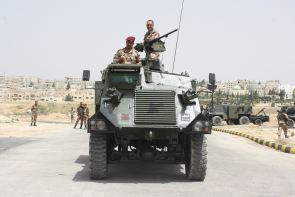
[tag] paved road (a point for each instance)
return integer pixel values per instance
(57, 165)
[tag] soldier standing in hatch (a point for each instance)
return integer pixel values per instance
(282, 122)
(150, 35)
(127, 55)
(80, 115)
(85, 115)
(34, 113)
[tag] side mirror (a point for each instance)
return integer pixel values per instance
(212, 78)
(212, 81)
(86, 75)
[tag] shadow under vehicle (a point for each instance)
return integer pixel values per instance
(237, 114)
(146, 113)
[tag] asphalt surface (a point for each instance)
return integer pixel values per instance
(57, 165)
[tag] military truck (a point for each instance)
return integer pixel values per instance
(236, 114)
(290, 110)
(291, 116)
(148, 114)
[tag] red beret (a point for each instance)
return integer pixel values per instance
(130, 38)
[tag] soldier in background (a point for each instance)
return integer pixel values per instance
(282, 118)
(150, 35)
(80, 115)
(72, 114)
(34, 113)
(127, 55)
(86, 115)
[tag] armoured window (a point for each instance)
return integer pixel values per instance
(124, 80)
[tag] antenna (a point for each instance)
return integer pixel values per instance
(177, 35)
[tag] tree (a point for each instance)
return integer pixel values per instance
(53, 85)
(282, 94)
(68, 86)
(202, 83)
(293, 93)
(68, 98)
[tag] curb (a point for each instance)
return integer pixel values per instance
(279, 147)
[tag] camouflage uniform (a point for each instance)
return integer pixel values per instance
(34, 115)
(132, 57)
(80, 116)
(85, 115)
(282, 118)
(72, 115)
(150, 36)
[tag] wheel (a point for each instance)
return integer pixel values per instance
(290, 123)
(216, 121)
(196, 157)
(98, 156)
(244, 120)
(258, 122)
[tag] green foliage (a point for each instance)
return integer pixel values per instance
(282, 94)
(68, 86)
(68, 98)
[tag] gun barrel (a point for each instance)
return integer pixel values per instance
(165, 35)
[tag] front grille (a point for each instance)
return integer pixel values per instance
(155, 107)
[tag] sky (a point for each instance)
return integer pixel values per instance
(235, 39)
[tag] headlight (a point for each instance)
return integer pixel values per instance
(92, 122)
(202, 126)
(198, 126)
(101, 125)
(207, 124)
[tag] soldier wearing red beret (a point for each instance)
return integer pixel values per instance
(127, 55)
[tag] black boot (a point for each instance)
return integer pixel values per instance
(286, 135)
(35, 124)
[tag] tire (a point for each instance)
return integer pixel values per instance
(98, 156)
(258, 122)
(216, 120)
(244, 120)
(196, 157)
(290, 123)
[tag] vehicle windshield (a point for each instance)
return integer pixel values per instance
(124, 80)
(128, 78)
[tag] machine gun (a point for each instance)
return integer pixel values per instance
(155, 45)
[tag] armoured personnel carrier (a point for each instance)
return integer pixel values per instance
(146, 113)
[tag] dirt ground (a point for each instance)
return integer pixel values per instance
(269, 133)
(15, 118)
(48, 111)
